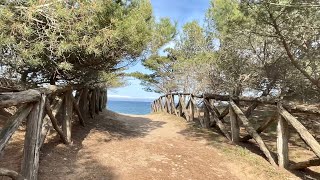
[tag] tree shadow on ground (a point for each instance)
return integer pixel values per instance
(59, 161)
(216, 139)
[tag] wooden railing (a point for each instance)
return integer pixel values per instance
(186, 105)
(40, 107)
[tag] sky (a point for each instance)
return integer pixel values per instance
(181, 11)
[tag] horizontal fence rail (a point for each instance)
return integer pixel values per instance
(44, 109)
(189, 106)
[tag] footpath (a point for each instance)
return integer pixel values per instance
(156, 146)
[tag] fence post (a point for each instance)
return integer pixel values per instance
(100, 95)
(206, 116)
(67, 115)
(30, 160)
(235, 130)
(174, 109)
(165, 104)
(83, 102)
(155, 102)
(180, 106)
(158, 106)
(92, 103)
(105, 98)
(97, 95)
(191, 108)
(169, 104)
(282, 141)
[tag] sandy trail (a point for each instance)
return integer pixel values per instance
(114, 146)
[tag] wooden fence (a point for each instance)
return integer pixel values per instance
(187, 104)
(43, 109)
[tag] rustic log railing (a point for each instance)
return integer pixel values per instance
(187, 105)
(39, 107)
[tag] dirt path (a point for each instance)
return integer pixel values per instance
(155, 146)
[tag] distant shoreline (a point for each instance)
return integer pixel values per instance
(131, 100)
(129, 107)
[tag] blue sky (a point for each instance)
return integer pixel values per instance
(181, 11)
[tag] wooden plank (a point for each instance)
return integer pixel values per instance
(235, 129)
(159, 107)
(154, 108)
(92, 105)
(218, 121)
(206, 115)
(45, 129)
(97, 100)
(12, 124)
(102, 103)
(54, 122)
(303, 132)
(180, 111)
(11, 174)
(184, 111)
(173, 105)
(262, 127)
(67, 116)
(224, 113)
(77, 111)
(100, 100)
(263, 100)
(160, 104)
(187, 110)
(215, 110)
(104, 99)
(217, 97)
(191, 109)
(305, 164)
(46, 126)
(8, 99)
(169, 104)
(30, 160)
(251, 109)
(282, 142)
(166, 105)
(184, 106)
(16, 98)
(253, 133)
(83, 102)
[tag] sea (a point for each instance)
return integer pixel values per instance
(129, 107)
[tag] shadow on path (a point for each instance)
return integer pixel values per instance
(216, 139)
(59, 161)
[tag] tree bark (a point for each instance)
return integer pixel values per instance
(30, 160)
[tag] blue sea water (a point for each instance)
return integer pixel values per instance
(129, 107)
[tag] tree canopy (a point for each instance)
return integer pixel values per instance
(75, 42)
(267, 47)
